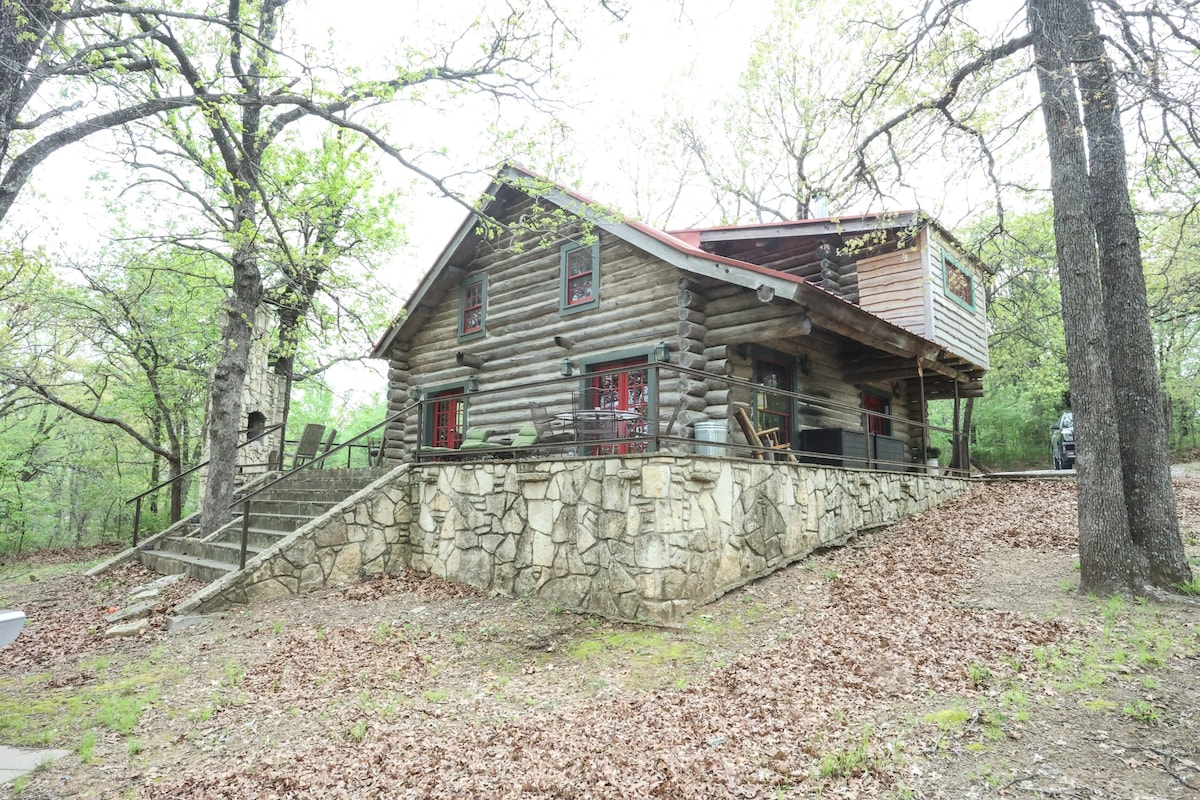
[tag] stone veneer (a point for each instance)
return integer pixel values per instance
(638, 537)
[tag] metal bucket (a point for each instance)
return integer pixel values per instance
(716, 430)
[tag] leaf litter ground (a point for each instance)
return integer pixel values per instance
(948, 656)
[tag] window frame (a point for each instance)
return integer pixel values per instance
(764, 415)
(565, 306)
(950, 262)
(880, 418)
(478, 281)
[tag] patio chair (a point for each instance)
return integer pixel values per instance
(763, 440)
(527, 437)
(477, 439)
(544, 424)
(310, 441)
(327, 445)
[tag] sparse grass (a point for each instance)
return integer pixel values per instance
(949, 719)
(1191, 587)
(857, 759)
(358, 731)
(1143, 711)
(435, 695)
(120, 712)
(233, 674)
(87, 747)
(1099, 704)
(977, 675)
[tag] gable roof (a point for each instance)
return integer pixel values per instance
(682, 249)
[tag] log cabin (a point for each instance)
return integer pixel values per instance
(850, 325)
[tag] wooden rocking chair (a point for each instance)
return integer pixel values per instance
(309, 444)
(761, 441)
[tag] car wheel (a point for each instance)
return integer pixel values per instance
(1069, 463)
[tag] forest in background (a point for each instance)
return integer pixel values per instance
(105, 356)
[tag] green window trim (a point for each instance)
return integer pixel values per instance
(574, 276)
(475, 292)
(957, 281)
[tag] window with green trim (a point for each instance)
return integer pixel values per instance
(957, 282)
(472, 308)
(580, 277)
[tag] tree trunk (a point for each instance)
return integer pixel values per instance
(229, 377)
(1108, 559)
(1145, 457)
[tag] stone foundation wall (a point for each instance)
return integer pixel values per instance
(640, 537)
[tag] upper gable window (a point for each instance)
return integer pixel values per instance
(580, 277)
(472, 312)
(958, 283)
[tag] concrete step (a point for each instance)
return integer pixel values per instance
(225, 551)
(201, 569)
(297, 506)
(285, 523)
(318, 496)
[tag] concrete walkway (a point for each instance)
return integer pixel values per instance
(17, 761)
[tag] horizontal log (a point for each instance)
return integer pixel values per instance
(693, 403)
(688, 298)
(717, 351)
(688, 386)
(717, 397)
(691, 360)
(691, 346)
(719, 412)
(690, 330)
(691, 315)
(762, 330)
(719, 366)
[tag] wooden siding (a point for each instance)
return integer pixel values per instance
(892, 286)
(961, 330)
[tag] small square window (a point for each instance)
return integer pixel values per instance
(472, 308)
(580, 277)
(959, 284)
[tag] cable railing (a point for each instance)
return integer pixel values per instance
(137, 509)
(670, 391)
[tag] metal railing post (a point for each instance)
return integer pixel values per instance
(137, 520)
(245, 534)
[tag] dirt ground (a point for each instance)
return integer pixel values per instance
(949, 656)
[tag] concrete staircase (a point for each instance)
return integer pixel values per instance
(286, 507)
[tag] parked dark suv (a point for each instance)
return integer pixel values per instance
(1062, 441)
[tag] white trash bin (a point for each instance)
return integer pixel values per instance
(716, 430)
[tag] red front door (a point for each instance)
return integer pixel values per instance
(624, 390)
(446, 419)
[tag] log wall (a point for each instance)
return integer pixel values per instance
(638, 307)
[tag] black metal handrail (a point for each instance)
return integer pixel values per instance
(137, 510)
(245, 500)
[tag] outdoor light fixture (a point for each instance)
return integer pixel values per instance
(415, 392)
(472, 384)
(566, 369)
(662, 353)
